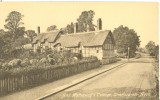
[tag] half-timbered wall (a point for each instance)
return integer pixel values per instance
(92, 51)
(108, 47)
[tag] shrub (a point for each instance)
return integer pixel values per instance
(43, 60)
(14, 63)
(138, 56)
(25, 62)
(78, 55)
(33, 61)
(90, 58)
(51, 61)
(1, 65)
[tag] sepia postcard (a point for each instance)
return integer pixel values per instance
(79, 50)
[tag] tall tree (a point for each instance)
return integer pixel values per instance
(52, 28)
(13, 24)
(124, 38)
(85, 21)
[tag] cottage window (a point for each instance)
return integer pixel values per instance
(80, 51)
(97, 51)
(69, 50)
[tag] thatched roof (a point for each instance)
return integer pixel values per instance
(93, 38)
(48, 36)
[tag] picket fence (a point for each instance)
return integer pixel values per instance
(15, 83)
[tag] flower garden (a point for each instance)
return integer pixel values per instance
(32, 69)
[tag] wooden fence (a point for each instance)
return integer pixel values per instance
(14, 83)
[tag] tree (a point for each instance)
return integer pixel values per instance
(13, 23)
(5, 43)
(52, 28)
(151, 48)
(142, 50)
(157, 52)
(13, 38)
(64, 30)
(85, 21)
(31, 34)
(124, 38)
(70, 28)
(20, 41)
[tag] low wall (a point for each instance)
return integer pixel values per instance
(15, 82)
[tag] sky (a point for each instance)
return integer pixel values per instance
(140, 16)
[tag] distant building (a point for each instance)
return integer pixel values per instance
(98, 43)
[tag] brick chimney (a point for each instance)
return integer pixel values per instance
(75, 28)
(99, 24)
(38, 30)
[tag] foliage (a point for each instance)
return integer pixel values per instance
(70, 28)
(31, 34)
(90, 58)
(142, 50)
(138, 55)
(5, 43)
(13, 38)
(157, 52)
(64, 30)
(151, 48)
(47, 58)
(85, 21)
(124, 38)
(20, 41)
(52, 28)
(13, 23)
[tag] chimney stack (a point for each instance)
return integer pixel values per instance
(38, 29)
(99, 24)
(75, 27)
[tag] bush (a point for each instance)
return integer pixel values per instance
(90, 58)
(138, 56)
(25, 62)
(1, 65)
(78, 55)
(121, 55)
(43, 60)
(51, 61)
(4, 65)
(33, 61)
(14, 63)
(51, 57)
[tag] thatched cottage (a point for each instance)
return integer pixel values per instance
(98, 43)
